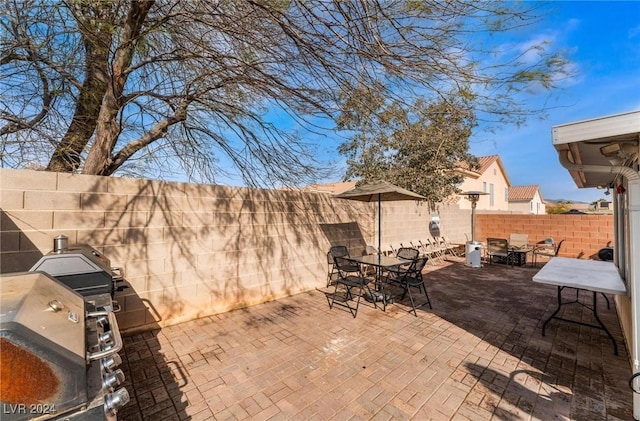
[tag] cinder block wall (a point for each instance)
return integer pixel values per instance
(584, 235)
(407, 221)
(192, 250)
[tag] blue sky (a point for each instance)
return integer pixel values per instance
(602, 39)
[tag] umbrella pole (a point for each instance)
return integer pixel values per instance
(379, 227)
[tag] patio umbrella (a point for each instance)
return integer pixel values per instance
(378, 192)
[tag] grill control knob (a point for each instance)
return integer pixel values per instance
(102, 321)
(113, 379)
(114, 401)
(111, 362)
(106, 339)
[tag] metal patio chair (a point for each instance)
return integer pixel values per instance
(546, 251)
(332, 272)
(498, 247)
(518, 241)
(407, 253)
(409, 278)
(429, 251)
(350, 281)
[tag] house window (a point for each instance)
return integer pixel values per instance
(491, 194)
(531, 206)
(484, 187)
(506, 194)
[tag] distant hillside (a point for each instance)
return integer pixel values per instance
(565, 200)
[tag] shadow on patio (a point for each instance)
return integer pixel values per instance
(478, 355)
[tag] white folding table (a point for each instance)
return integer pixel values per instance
(590, 275)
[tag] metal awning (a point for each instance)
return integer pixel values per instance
(604, 152)
(609, 141)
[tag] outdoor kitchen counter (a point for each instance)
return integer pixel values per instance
(589, 275)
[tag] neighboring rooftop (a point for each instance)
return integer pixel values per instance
(485, 162)
(333, 188)
(523, 193)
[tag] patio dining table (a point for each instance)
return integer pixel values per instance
(380, 262)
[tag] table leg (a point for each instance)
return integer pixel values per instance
(379, 290)
(595, 313)
(594, 309)
(382, 291)
(544, 326)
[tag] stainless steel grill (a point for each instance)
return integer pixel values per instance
(82, 268)
(60, 339)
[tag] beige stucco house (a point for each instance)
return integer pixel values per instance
(526, 199)
(492, 179)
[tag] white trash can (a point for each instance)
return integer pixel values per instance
(474, 254)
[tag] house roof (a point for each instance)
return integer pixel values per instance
(523, 193)
(333, 188)
(485, 162)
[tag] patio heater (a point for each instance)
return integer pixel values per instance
(474, 248)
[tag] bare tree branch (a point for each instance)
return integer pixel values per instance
(122, 85)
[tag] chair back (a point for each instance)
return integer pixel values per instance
(518, 240)
(346, 266)
(339, 251)
(497, 245)
(407, 253)
(420, 263)
(414, 271)
(558, 247)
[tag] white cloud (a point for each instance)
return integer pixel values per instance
(572, 25)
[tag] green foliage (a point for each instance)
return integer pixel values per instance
(561, 206)
(417, 148)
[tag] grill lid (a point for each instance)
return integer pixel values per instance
(44, 306)
(74, 260)
(42, 337)
(80, 267)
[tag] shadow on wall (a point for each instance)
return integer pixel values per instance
(187, 250)
(345, 234)
(24, 255)
(192, 250)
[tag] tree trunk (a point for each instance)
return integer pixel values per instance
(107, 128)
(66, 157)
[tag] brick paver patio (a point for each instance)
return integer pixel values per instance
(478, 355)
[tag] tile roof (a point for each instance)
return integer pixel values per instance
(486, 161)
(333, 188)
(523, 193)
